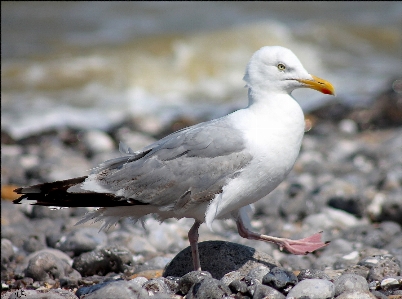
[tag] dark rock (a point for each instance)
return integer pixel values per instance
(208, 288)
(231, 256)
(103, 261)
(391, 209)
(191, 278)
(238, 286)
(280, 279)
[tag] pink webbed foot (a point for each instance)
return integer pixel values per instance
(303, 246)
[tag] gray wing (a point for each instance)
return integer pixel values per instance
(188, 166)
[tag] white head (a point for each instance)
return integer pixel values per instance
(277, 69)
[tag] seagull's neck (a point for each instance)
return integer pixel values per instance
(272, 101)
(256, 96)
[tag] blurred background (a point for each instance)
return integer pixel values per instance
(93, 65)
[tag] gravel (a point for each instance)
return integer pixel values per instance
(347, 183)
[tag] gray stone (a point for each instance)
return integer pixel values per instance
(385, 268)
(82, 240)
(191, 278)
(208, 288)
(311, 274)
(238, 286)
(45, 266)
(313, 289)
(266, 292)
(102, 261)
(7, 253)
(280, 279)
(356, 295)
(157, 285)
(257, 273)
(229, 277)
(350, 282)
(231, 256)
(117, 289)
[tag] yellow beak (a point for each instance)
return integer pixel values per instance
(319, 84)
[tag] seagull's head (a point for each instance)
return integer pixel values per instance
(277, 69)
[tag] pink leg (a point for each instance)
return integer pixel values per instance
(193, 238)
(302, 246)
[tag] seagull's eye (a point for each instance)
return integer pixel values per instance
(281, 67)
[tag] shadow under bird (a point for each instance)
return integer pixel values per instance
(212, 170)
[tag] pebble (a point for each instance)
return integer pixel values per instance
(350, 282)
(313, 289)
(191, 278)
(81, 240)
(263, 291)
(45, 266)
(208, 288)
(115, 289)
(102, 261)
(280, 279)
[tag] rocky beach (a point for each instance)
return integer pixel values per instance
(347, 182)
(79, 77)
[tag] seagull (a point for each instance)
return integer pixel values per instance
(209, 171)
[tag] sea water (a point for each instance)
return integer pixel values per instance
(94, 64)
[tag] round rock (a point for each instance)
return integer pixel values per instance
(103, 261)
(45, 266)
(349, 283)
(313, 289)
(208, 288)
(231, 256)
